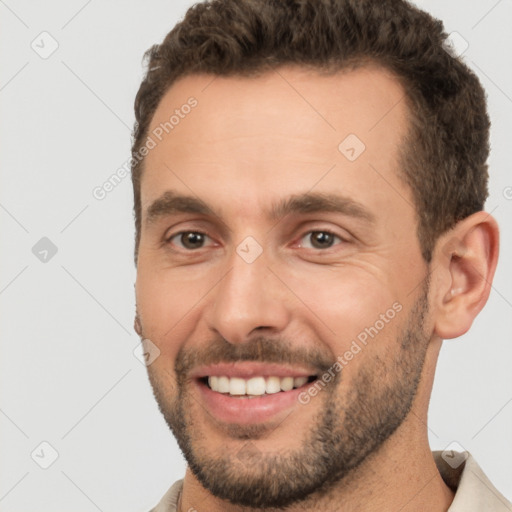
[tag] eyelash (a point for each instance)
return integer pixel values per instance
(168, 240)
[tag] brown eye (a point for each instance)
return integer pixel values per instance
(192, 240)
(319, 240)
(189, 239)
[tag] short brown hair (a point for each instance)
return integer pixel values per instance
(443, 158)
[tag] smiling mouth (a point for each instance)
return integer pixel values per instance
(253, 387)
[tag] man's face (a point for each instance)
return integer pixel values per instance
(290, 253)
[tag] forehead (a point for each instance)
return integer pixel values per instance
(277, 133)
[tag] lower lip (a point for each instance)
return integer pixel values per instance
(246, 411)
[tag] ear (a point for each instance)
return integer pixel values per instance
(137, 327)
(463, 265)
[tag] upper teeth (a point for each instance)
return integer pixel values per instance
(254, 385)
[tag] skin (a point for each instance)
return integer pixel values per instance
(251, 142)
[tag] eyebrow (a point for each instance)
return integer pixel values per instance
(314, 202)
(171, 203)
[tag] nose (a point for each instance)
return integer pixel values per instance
(248, 301)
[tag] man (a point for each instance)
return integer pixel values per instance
(309, 178)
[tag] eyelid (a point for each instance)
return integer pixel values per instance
(188, 225)
(341, 233)
(197, 224)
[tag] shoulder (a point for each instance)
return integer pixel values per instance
(473, 490)
(169, 501)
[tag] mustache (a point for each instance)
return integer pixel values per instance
(261, 349)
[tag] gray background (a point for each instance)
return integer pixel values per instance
(68, 373)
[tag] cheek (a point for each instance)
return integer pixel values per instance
(169, 302)
(358, 316)
(349, 301)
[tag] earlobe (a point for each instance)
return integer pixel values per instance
(465, 261)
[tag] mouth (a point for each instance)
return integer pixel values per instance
(258, 386)
(246, 393)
